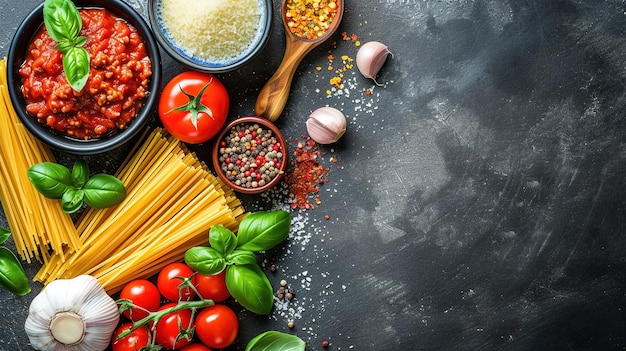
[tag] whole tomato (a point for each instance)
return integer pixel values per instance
(217, 326)
(196, 347)
(174, 330)
(134, 341)
(173, 282)
(212, 287)
(193, 106)
(142, 293)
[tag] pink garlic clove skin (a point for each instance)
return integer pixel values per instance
(370, 59)
(326, 125)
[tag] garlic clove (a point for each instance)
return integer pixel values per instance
(326, 125)
(370, 59)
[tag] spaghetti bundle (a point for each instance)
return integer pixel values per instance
(37, 224)
(172, 201)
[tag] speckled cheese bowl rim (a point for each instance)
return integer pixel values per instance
(194, 63)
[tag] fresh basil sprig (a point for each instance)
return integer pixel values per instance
(63, 23)
(276, 341)
(74, 187)
(12, 274)
(245, 279)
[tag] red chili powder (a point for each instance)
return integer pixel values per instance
(306, 175)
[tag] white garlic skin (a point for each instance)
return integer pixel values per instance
(82, 296)
(370, 59)
(326, 125)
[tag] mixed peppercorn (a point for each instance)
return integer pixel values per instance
(250, 156)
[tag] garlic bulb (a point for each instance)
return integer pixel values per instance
(72, 315)
(370, 59)
(326, 125)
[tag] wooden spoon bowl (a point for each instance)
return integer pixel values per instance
(273, 96)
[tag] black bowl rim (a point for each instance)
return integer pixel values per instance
(215, 154)
(57, 140)
(185, 61)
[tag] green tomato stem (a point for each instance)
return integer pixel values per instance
(156, 316)
(194, 105)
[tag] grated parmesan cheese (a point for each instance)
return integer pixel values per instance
(213, 31)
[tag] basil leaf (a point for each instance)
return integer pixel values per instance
(72, 200)
(12, 274)
(104, 190)
(241, 257)
(205, 260)
(62, 19)
(4, 235)
(275, 341)
(64, 45)
(250, 287)
(261, 231)
(222, 239)
(63, 23)
(50, 179)
(80, 174)
(80, 41)
(76, 66)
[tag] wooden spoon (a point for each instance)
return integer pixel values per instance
(273, 96)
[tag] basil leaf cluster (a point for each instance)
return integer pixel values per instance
(245, 279)
(76, 187)
(12, 275)
(275, 341)
(63, 23)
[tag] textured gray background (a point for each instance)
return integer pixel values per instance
(477, 201)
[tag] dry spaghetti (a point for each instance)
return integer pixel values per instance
(37, 224)
(172, 201)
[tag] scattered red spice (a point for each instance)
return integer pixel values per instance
(306, 175)
(325, 343)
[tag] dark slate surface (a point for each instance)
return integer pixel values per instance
(477, 201)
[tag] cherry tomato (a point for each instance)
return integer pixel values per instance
(189, 113)
(171, 329)
(217, 326)
(212, 287)
(170, 279)
(196, 347)
(134, 341)
(142, 293)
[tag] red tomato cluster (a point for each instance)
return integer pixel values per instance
(213, 327)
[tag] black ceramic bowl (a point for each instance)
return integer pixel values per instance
(191, 61)
(56, 140)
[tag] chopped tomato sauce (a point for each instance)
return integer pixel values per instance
(116, 87)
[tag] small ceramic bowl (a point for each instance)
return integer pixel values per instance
(56, 140)
(209, 62)
(275, 154)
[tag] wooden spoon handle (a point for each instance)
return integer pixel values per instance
(273, 96)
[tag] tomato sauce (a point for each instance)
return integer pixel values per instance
(116, 87)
